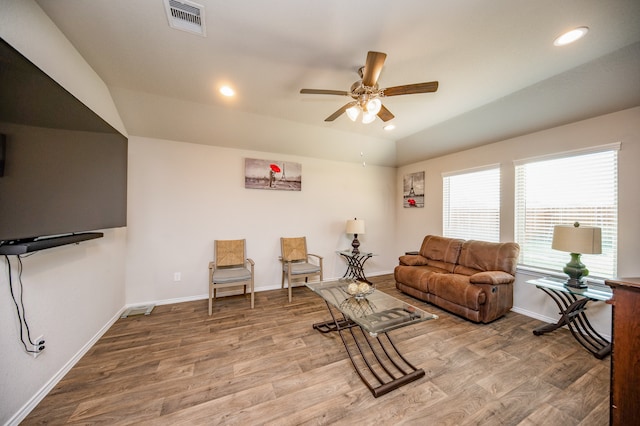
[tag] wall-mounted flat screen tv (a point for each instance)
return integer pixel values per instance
(63, 169)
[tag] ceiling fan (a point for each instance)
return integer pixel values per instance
(366, 94)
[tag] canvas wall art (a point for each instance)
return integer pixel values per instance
(413, 190)
(274, 175)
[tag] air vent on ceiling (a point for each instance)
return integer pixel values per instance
(185, 15)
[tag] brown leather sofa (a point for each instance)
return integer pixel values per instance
(473, 279)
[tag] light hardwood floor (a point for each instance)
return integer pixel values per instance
(268, 366)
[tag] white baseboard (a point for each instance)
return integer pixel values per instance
(222, 294)
(534, 315)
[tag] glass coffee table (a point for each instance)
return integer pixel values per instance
(363, 323)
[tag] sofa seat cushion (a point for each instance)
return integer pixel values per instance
(415, 276)
(457, 289)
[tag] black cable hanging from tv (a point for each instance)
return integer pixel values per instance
(22, 316)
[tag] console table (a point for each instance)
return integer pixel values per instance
(355, 264)
(363, 324)
(572, 303)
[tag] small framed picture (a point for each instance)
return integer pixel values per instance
(413, 190)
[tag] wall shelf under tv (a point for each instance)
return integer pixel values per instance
(22, 247)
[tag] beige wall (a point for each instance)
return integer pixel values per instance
(182, 196)
(623, 126)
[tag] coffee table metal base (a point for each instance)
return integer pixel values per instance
(375, 358)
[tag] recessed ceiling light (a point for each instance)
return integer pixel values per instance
(227, 91)
(570, 36)
(389, 127)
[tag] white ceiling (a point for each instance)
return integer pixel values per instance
(500, 75)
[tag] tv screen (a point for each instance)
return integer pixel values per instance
(63, 169)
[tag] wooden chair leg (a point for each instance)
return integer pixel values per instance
(210, 299)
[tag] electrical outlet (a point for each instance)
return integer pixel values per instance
(38, 347)
(177, 276)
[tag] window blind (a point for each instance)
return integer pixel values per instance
(471, 205)
(580, 187)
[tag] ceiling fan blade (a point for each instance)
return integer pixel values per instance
(384, 114)
(372, 68)
(324, 92)
(338, 113)
(409, 89)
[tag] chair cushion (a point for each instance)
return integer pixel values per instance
(227, 275)
(301, 268)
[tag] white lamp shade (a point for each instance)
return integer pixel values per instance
(373, 106)
(577, 239)
(355, 226)
(368, 117)
(353, 112)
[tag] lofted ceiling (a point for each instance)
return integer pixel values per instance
(499, 73)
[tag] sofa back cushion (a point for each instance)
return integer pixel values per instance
(441, 252)
(479, 256)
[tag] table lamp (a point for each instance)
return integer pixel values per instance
(355, 227)
(577, 240)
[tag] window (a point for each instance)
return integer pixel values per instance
(580, 187)
(471, 204)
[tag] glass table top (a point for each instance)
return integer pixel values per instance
(592, 292)
(376, 313)
(351, 254)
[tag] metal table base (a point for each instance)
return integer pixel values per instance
(375, 358)
(572, 303)
(573, 316)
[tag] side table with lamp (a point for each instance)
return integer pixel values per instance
(355, 259)
(572, 295)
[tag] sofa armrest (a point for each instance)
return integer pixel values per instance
(491, 277)
(413, 260)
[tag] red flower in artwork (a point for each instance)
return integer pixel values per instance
(275, 168)
(411, 202)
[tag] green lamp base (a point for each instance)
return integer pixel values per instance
(576, 272)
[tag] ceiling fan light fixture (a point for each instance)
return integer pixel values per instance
(353, 112)
(365, 93)
(570, 36)
(368, 117)
(373, 106)
(389, 127)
